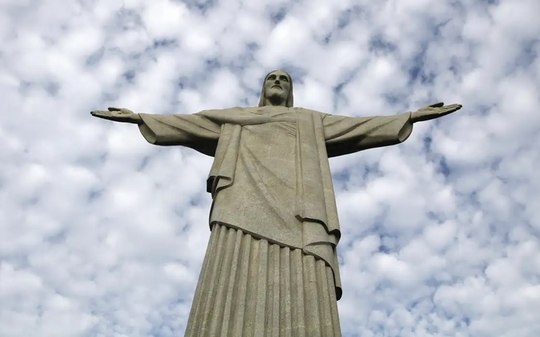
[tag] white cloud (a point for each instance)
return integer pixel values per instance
(102, 234)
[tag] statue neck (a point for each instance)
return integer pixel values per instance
(276, 101)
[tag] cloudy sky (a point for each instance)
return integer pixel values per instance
(103, 234)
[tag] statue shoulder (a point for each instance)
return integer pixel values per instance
(310, 112)
(226, 111)
(304, 110)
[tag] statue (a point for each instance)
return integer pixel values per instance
(271, 268)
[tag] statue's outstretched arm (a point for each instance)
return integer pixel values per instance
(345, 135)
(118, 115)
(194, 131)
(433, 111)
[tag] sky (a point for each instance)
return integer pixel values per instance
(103, 234)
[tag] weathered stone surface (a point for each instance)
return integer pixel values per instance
(271, 266)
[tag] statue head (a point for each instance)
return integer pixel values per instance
(277, 89)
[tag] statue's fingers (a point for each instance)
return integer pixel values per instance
(101, 114)
(453, 107)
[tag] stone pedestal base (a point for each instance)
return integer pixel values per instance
(252, 288)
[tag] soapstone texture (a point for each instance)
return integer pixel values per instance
(271, 265)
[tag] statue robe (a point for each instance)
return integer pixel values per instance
(271, 181)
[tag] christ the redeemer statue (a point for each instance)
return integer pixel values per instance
(271, 266)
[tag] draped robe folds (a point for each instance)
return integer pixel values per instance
(270, 177)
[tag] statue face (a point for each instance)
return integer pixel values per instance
(277, 85)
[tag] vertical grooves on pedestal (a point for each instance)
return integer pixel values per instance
(241, 286)
(196, 316)
(250, 287)
(297, 298)
(235, 239)
(311, 300)
(333, 304)
(260, 294)
(211, 285)
(285, 317)
(221, 285)
(324, 300)
(274, 295)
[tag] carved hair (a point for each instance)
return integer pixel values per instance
(290, 100)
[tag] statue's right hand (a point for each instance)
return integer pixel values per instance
(118, 115)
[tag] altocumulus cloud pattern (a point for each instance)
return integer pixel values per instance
(102, 234)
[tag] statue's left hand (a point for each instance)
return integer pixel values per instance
(433, 111)
(118, 115)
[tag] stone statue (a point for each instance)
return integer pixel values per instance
(270, 268)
